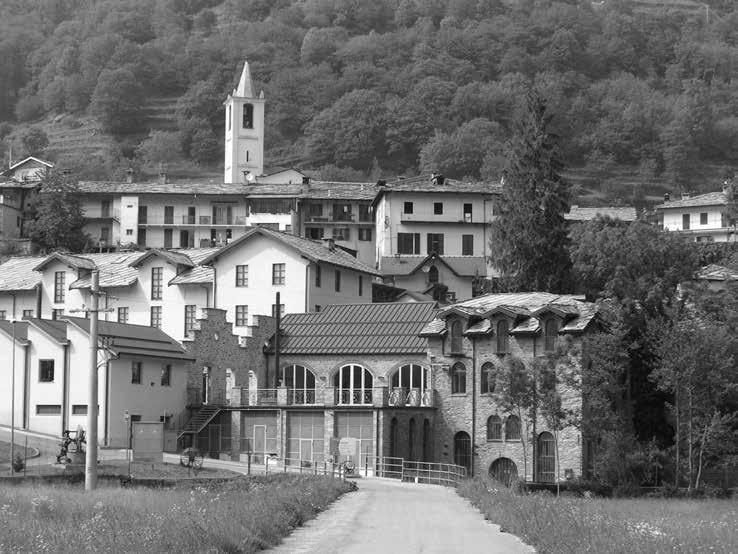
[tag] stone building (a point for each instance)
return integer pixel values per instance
(468, 345)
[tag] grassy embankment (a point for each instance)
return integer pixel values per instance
(241, 515)
(571, 525)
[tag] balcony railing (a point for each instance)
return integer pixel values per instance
(354, 396)
(191, 220)
(399, 397)
(301, 396)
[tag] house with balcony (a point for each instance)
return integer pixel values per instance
(18, 184)
(349, 371)
(703, 217)
(433, 234)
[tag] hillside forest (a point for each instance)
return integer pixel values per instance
(641, 98)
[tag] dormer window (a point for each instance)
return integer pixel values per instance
(455, 337)
(551, 332)
(503, 336)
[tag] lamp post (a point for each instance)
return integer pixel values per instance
(12, 402)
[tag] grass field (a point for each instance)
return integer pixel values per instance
(573, 525)
(241, 515)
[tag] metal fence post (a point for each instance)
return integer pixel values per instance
(266, 465)
(248, 464)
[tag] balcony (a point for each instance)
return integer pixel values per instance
(410, 398)
(102, 215)
(235, 220)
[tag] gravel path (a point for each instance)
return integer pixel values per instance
(386, 516)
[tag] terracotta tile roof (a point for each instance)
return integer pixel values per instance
(134, 340)
(714, 272)
(708, 199)
(525, 306)
(311, 249)
(626, 213)
(465, 266)
(17, 274)
(359, 329)
(56, 329)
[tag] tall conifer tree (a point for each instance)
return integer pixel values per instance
(529, 237)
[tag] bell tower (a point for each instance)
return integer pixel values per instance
(244, 131)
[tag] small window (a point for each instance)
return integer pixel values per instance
(3, 315)
(129, 232)
(703, 218)
(278, 274)
(315, 233)
(408, 243)
(407, 207)
(455, 337)
(156, 317)
(59, 279)
(316, 210)
(341, 233)
(157, 283)
(433, 275)
(494, 428)
(79, 409)
(338, 281)
(503, 337)
(189, 319)
(438, 208)
(467, 245)
(123, 314)
(458, 378)
(435, 243)
(274, 310)
(136, 372)
(166, 375)
(488, 378)
(467, 213)
(242, 315)
(685, 222)
(48, 409)
(361, 285)
(365, 235)
(46, 371)
(242, 275)
(551, 332)
(512, 428)
(317, 307)
(27, 313)
(318, 275)
(57, 313)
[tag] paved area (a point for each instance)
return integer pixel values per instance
(386, 516)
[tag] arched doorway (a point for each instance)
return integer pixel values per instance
(546, 458)
(504, 470)
(462, 451)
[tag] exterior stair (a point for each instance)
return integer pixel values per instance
(198, 421)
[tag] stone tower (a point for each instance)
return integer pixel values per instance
(244, 131)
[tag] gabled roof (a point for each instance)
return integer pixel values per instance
(358, 329)
(714, 272)
(171, 256)
(56, 329)
(71, 260)
(134, 340)
(20, 331)
(200, 187)
(464, 266)
(525, 307)
(17, 274)
(25, 161)
(313, 250)
(325, 190)
(708, 199)
(198, 275)
(624, 213)
(423, 184)
(115, 270)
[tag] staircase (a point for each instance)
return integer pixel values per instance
(198, 421)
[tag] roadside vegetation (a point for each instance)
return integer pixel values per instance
(240, 515)
(570, 524)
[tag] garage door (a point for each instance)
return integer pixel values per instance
(305, 437)
(357, 425)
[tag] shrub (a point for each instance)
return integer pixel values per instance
(19, 462)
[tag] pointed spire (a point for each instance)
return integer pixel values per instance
(245, 87)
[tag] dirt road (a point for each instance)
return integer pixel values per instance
(385, 516)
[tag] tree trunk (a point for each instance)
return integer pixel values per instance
(690, 441)
(558, 477)
(676, 437)
(703, 443)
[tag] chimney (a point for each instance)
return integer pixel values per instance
(437, 178)
(329, 243)
(129, 175)
(381, 182)
(666, 197)
(163, 178)
(685, 196)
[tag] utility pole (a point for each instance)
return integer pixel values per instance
(12, 407)
(91, 456)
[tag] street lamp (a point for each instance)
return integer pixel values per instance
(12, 403)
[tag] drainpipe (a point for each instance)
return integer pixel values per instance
(26, 385)
(65, 389)
(14, 298)
(39, 298)
(474, 403)
(215, 288)
(276, 343)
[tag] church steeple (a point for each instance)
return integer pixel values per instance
(244, 131)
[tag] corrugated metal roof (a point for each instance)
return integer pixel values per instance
(388, 328)
(311, 249)
(625, 213)
(17, 274)
(708, 199)
(129, 339)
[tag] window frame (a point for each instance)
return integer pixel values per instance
(136, 372)
(408, 243)
(512, 423)
(408, 207)
(157, 283)
(502, 336)
(365, 234)
(337, 280)
(467, 245)
(487, 381)
(455, 337)
(434, 243)
(242, 275)
(361, 285)
(190, 315)
(46, 373)
(123, 310)
(494, 428)
(458, 378)
(166, 375)
(703, 218)
(279, 274)
(241, 315)
(550, 334)
(318, 276)
(437, 208)
(281, 310)
(155, 315)
(60, 278)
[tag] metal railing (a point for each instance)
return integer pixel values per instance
(354, 396)
(260, 397)
(400, 396)
(301, 396)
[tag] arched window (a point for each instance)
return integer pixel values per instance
(494, 428)
(300, 383)
(353, 385)
(426, 440)
(407, 386)
(393, 438)
(546, 458)
(432, 275)
(504, 470)
(458, 378)
(512, 428)
(503, 337)
(551, 332)
(455, 337)
(248, 116)
(489, 378)
(462, 451)
(411, 440)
